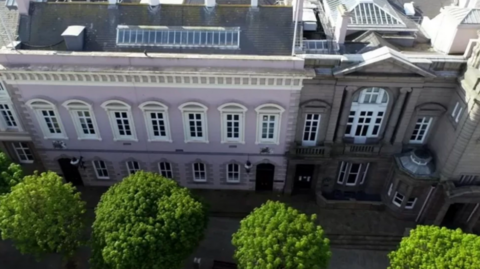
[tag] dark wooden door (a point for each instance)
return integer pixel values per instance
(70, 172)
(264, 177)
(303, 177)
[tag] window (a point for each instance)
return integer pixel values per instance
(372, 14)
(410, 203)
(398, 199)
(178, 36)
(120, 116)
(366, 114)
(165, 169)
(156, 120)
(132, 167)
(8, 116)
(23, 152)
(199, 172)
(195, 122)
(467, 180)
(390, 189)
(100, 169)
(233, 122)
(352, 174)
(268, 123)
(233, 173)
(310, 129)
(420, 130)
(83, 119)
(457, 112)
(48, 119)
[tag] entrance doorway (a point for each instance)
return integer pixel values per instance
(264, 177)
(70, 172)
(303, 178)
(452, 218)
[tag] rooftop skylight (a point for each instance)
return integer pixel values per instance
(371, 14)
(213, 37)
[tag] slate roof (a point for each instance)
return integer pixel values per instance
(266, 30)
(10, 18)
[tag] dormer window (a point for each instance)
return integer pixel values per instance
(178, 36)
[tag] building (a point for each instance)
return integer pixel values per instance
(101, 98)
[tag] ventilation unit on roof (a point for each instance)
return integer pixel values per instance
(409, 9)
(74, 37)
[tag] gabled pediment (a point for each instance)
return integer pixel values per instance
(384, 61)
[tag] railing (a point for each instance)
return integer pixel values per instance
(319, 151)
(320, 47)
(362, 149)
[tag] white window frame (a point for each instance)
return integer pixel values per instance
(74, 106)
(156, 107)
(132, 165)
(37, 105)
(21, 148)
(113, 106)
(232, 109)
(269, 110)
(425, 122)
(96, 168)
(165, 171)
(310, 129)
(238, 172)
(194, 108)
(13, 114)
(457, 112)
(390, 189)
(345, 171)
(410, 204)
(399, 204)
(378, 109)
(203, 170)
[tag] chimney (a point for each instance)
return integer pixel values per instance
(209, 3)
(297, 5)
(254, 3)
(23, 6)
(343, 19)
(74, 37)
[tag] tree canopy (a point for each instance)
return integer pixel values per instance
(10, 173)
(277, 236)
(146, 221)
(432, 247)
(43, 215)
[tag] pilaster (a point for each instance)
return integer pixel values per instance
(336, 106)
(397, 109)
(407, 115)
(345, 112)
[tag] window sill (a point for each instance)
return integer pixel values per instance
(160, 140)
(232, 182)
(199, 181)
(83, 138)
(267, 143)
(197, 141)
(104, 179)
(125, 139)
(55, 138)
(232, 142)
(26, 162)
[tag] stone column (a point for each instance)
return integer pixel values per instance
(393, 120)
(407, 116)
(465, 135)
(347, 104)
(334, 114)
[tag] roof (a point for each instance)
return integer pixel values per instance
(265, 30)
(374, 41)
(462, 16)
(10, 18)
(371, 13)
(429, 8)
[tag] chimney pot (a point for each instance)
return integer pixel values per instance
(74, 37)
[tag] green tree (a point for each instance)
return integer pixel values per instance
(146, 221)
(275, 236)
(10, 173)
(432, 247)
(43, 215)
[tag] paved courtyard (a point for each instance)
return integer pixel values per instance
(227, 208)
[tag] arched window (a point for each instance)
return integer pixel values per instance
(48, 119)
(195, 124)
(132, 167)
(156, 120)
(83, 119)
(233, 123)
(366, 114)
(121, 121)
(269, 123)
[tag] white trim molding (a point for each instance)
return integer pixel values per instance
(156, 121)
(232, 122)
(48, 118)
(83, 119)
(195, 122)
(254, 81)
(269, 122)
(118, 110)
(9, 119)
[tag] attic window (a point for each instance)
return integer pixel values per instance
(163, 36)
(371, 14)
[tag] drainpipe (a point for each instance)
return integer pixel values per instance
(298, 6)
(425, 203)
